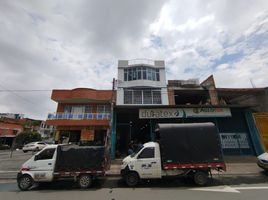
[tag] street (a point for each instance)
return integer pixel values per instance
(243, 181)
(113, 190)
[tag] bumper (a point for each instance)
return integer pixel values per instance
(124, 171)
(262, 165)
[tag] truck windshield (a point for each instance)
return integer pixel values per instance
(136, 151)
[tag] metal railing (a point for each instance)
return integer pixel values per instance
(79, 116)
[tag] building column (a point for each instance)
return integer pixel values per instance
(113, 137)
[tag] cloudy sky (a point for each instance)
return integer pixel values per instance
(64, 44)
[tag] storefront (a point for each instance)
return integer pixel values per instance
(235, 129)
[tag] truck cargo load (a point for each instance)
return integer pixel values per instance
(189, 143)
(80, 158)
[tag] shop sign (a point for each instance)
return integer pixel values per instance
(183, 113)
(234, 140)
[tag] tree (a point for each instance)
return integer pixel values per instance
(27, 137)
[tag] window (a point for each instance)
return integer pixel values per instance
(127, 97)
(141, 73)
(137, 97)
(125, 74)
(130, 75)
(103, 109)
(67, 109)
(144, 73)
(147, 153)
(88, 109)
(157, 97)
(45, 155)
(147, 97)
(157, 75)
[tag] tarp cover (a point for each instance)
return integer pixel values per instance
(79, 158)
(189, 143)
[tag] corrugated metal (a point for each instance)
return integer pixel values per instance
(261, 120)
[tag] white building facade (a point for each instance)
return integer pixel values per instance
(141, 82)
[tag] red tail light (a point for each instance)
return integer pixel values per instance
(25, 169)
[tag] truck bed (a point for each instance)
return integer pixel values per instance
(74, 158)
(194, 145)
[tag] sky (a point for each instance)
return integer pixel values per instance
(66, 44)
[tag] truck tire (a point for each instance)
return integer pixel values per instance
(132, 179)
(24, 151)
(25, 182)
(84, 181)
(200, 178)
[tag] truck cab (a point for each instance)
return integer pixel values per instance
(144, 164)
(39, 168)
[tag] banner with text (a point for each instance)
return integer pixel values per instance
(183, 113)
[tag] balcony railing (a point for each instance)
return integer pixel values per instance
(79, 116)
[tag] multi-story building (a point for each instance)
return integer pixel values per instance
(46, 131)
(82, 116)
(141, 82)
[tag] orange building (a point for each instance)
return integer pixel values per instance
(82, 116)
(8, 131)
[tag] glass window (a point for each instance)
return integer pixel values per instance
(127, 97)
(153, 75)
(46, 154)
(147, 153)
(130, 75)
(149, 75)
(103, 109)
(137, 96)
(144, 73)
(147, 97)
(88, 109)
(157, 75)
(134, 72)
(156, 97)
(125, 74)
(138, 73)
(67, 109)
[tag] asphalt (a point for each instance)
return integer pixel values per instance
(237, 166)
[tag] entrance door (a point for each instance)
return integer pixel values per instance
(261, 120)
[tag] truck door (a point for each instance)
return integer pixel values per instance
(147, 165)
(44, 163)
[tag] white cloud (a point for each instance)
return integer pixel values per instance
(68, 44)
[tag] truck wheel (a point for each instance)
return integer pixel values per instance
(84, 181)
(24, 151)
(25, 182)
(132, 179)
(201, 178)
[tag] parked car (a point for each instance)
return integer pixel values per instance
(33, 146)
(263, 161)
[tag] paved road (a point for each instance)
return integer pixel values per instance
(148, 191)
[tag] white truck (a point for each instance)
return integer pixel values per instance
(188, 150)
(61, 162)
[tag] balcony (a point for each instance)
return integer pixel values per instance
(78, 119)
